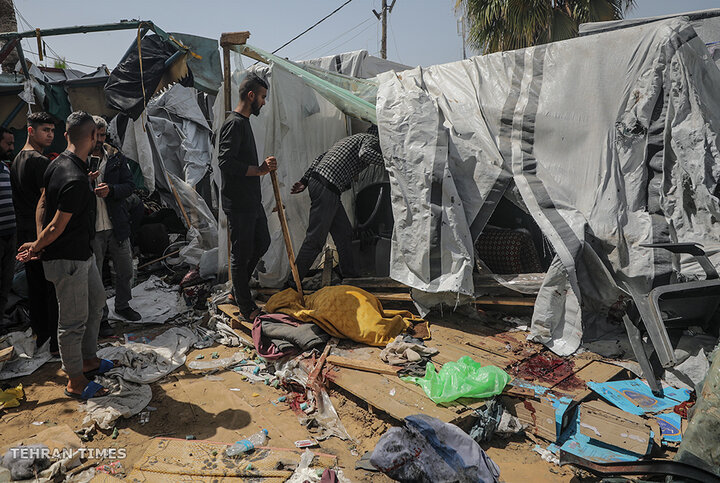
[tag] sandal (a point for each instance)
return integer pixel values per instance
(105, 366)
(90, 391)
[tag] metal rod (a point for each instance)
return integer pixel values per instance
(23, 64)
(80, 29)
(227, 93)
(286, 235)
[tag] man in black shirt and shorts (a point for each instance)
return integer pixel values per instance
(240, 192)
(27, 173)
(67, 211)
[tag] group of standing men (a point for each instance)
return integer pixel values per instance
(60, 218)
(329, 175)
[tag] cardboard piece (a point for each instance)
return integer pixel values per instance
(613, 427)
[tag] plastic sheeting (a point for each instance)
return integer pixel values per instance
(177, 120)
(124, 88)
(634, 162)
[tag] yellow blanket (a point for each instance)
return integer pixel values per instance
(344, 312)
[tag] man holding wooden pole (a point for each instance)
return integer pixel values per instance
(240, 191)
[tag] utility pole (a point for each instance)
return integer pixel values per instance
(384, 11)
(462, 32)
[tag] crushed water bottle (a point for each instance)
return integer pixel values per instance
(249, 444)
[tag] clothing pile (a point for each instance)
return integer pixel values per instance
(409, 352)
(279, 335)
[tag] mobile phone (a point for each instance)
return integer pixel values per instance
(94, 163)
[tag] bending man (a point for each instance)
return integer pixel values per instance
(328, 176)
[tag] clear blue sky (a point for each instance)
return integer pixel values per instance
(422, 32)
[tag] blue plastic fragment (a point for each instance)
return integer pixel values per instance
(636, 397)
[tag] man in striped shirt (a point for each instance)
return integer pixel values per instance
(7, 220)
(329, 175)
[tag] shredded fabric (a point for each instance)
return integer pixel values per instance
(344, 312)
(403, 350)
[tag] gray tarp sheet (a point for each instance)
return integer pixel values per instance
(610, 141)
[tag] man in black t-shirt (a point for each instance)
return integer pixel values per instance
(240, 191)
(27, 173)
(67, 211)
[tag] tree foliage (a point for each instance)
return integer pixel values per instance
(497, 25)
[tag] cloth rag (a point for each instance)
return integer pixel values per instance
(403, 350)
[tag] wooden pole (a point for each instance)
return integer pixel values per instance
(172, 254)
(177, 199)
(286, 235)
(227, 94)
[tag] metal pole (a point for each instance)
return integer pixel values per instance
(227, 93)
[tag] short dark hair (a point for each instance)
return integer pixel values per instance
(4, 131)
(251, 82)
(35, 119)
(79, 124)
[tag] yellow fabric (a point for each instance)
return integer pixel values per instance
(10, 398)
(345, 312)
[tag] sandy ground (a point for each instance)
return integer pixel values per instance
(191, 403)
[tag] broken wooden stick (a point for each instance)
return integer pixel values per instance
(367, 366)
(286, 235)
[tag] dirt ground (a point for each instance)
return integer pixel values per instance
(193, 403)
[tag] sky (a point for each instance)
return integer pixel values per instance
(421, 32)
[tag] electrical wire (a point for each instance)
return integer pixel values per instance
(322, 46)
(392, 34)
(353, 37)
(63, 60)
(311, 27)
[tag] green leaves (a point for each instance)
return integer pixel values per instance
(497, 25)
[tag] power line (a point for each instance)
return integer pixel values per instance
(312, 26)
(329, 42)
(353, 37)
(65, 60)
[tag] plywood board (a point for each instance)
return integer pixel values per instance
(612, 426)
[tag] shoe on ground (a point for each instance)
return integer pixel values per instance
(105, 329)
(129, 314)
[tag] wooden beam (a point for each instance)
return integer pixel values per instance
(363, 365)
(6, 354)
(233, 38)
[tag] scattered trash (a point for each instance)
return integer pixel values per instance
(306, 443)
(392, 391)
(115, 433)
(38, 423)
(255, 394)
(546, 454)
(406, 349)
(145, 417)
(249, 444)
(10, 398)
(282, 399)
(217, 363)
(426, 449)
(197, 358)
(464, 378)
(214, 355)
(304, 473)
(115, 468)
(189, 437)
(235, 389)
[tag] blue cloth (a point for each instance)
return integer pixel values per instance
(428, 450)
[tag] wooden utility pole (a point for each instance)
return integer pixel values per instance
(382, 15)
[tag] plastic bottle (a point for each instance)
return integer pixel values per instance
(249, 444)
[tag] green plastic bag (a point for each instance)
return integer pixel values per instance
(464, 378)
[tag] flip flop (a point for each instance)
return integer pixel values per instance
(105, 366)
(89, 392)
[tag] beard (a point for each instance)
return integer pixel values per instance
(255, 107)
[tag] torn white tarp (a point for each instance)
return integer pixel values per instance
(26, 358)
(610, 140)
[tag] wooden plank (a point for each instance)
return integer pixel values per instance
(595, 371)
(233, 312)
(234, 38)
(538, 415)
(375, 389)
(505, 301)
(6, 354)
(364, 365)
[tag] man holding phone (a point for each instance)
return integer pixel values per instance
(113, 185)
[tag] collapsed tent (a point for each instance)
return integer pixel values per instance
(636, 162)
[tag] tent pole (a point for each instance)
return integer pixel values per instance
(227, 94)
(286, 235)
(177, 200)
